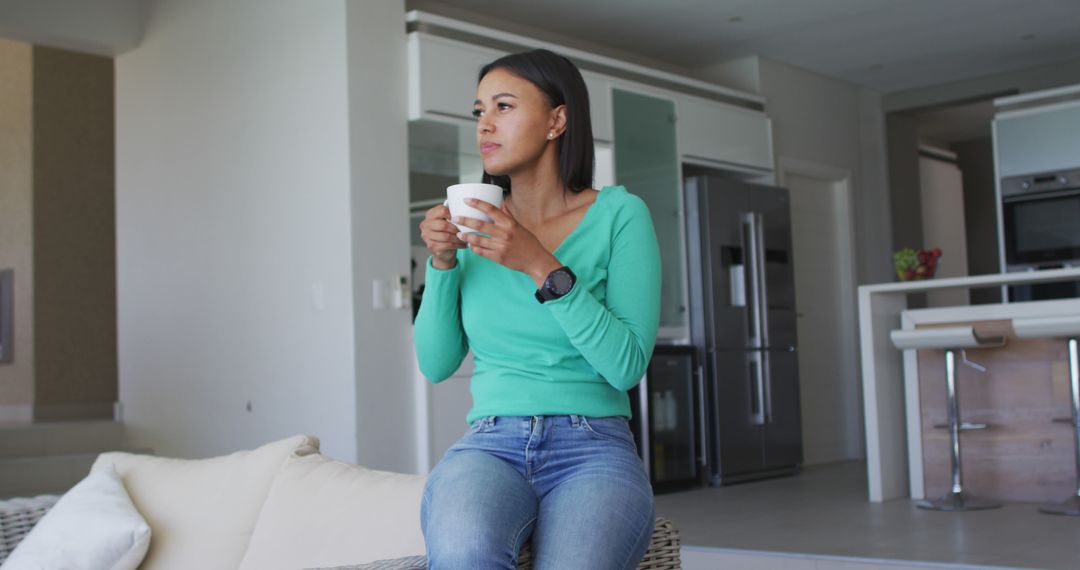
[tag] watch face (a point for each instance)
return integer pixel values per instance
(561, 282)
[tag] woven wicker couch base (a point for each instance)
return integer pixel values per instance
(18, 516)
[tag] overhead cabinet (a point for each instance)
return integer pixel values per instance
(711, 132)
(1037, 140)
(443, 74)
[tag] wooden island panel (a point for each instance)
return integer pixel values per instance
(1023, 456)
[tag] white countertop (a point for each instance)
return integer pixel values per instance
(975, 281)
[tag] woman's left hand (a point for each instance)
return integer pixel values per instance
(509, 244)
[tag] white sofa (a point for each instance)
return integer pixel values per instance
(282, 505)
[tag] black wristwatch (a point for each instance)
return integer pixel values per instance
(558, 283)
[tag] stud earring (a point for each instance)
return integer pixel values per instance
(551, 136)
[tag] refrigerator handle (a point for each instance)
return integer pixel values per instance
(751, 257)
(761, 298)
(763, 312)
(766, 379)
(703, 430)
(757, 408)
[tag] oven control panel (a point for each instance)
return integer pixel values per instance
(1038, 183)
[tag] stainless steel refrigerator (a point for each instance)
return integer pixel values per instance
(742, 326)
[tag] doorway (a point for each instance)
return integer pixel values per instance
(824, 252)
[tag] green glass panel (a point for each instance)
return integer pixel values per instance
(647, 163)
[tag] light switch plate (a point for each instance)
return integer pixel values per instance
(378, 294)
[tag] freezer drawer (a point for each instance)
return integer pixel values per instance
(758, 425)
(783, 433)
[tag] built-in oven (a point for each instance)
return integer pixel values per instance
(1041, 229)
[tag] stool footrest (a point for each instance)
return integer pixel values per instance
(1062, 420)
(965, 426)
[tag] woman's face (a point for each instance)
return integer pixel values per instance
(513, 122)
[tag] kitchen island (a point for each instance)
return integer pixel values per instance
(891, 404)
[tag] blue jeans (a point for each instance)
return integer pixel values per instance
(574, 484)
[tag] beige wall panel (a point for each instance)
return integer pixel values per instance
(74, 232)
(16, 226)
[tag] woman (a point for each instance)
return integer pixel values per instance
(559, 302)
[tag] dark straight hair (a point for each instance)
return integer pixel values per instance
(561, 82)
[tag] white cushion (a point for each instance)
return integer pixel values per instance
(322, 512)
(202, 511)
(93, 526)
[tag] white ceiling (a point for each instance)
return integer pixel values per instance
(887, 45)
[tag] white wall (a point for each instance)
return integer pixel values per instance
(233, 212)
(941, 187)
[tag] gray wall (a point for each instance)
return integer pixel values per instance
(905, 195)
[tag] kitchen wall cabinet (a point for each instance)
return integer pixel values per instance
(719, 134)
(442, 86)
(443, 74)
(1037, 140)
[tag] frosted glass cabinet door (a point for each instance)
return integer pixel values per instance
(647, 163)
(1034, 141)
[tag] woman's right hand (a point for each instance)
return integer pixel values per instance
(440, 236)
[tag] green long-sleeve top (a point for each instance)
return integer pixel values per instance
(578, 354)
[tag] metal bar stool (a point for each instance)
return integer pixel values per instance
(951, 339)
(1067, 327)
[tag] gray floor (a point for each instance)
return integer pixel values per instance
(824, 511)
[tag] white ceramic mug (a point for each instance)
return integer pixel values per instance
(455, 200)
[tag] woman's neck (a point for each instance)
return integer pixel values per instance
(538, 194)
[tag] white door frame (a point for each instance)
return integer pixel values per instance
(841, 178)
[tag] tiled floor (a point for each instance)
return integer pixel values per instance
(824, 512)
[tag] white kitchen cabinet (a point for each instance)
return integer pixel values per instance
(442, 76)
(442, 82)
(711, 132)
(599, 106)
